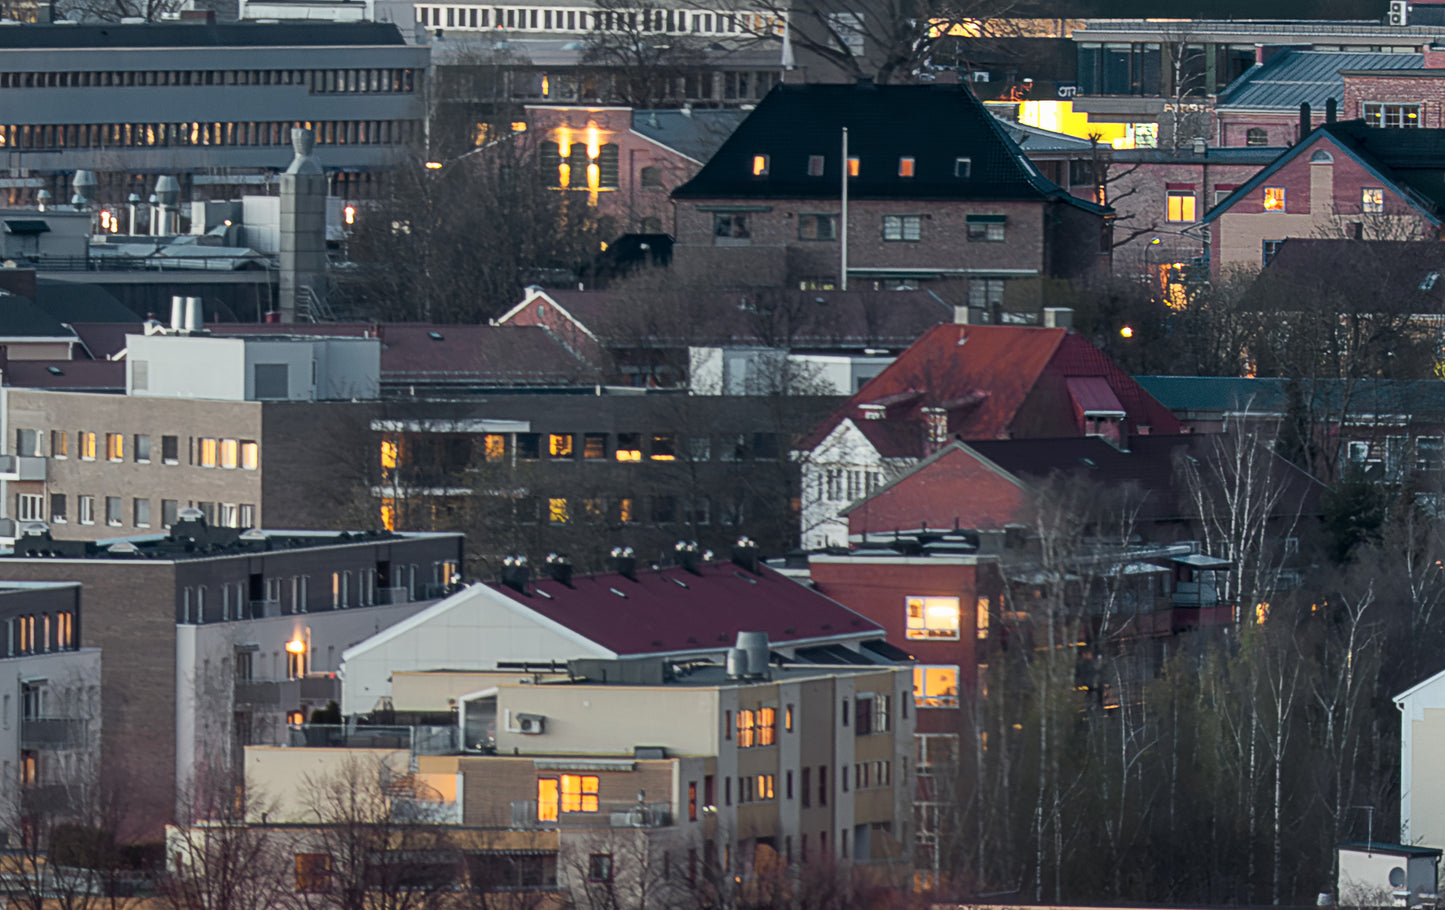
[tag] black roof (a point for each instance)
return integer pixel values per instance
(935, 125)
(199, 34)
(21, 317)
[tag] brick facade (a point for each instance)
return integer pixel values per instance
(1424, 87)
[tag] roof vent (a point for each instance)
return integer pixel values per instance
(516, 573)
(755, 646)
(623, 562)
(688, 555)
(34, 529)
(191, 513)
(254, 535)
(745, 554)
(123, 548)
(559, 567)
(737, 663)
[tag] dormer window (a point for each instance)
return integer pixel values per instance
(873, 411)
(937, 420)
(905, 166)
(760, 165)
(963, 168)
(815, 165)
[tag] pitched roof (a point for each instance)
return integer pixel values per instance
(1294, 76)
(698, 134)
(69, 375)
(1409, 161)
(21, 317)
(1424, 399)
(473, 355)
(933, 124)
(1216, 393)
(201, 34)
(1398, 276)
(982, 377)
(671, 609)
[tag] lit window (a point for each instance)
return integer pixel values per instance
(114, 447)
(767, 727)
(313, 873)
(1392, 116)
(250, 455)
(1274, 199)
(87, 446)
(570, 793)
(664, 447)
(905, 167)
(559, 445)
(852, 167)
(1181, 205)
(935, 686)
(760, 165)
(557, 511)
(230, 450)
(494, 445)
(209, 449)
(933, 618)
(788, 718)
(1372, 200)
(983, 617)
(594, 446)
(746, 723)
(629, 447)
(902, 227)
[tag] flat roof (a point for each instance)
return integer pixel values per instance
(193, 539)
(198, 33)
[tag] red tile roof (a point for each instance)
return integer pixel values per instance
(994, 382)
(672, 610)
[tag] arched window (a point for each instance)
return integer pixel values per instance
(1322, 157)
(1256, 136)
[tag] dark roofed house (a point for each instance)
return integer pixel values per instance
(1344, 180)
(938, 190)
(966, 382)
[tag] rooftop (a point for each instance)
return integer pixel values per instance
(1294, 76)
(198, 33)
(698, 134)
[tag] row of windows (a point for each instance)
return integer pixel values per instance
(817, 166)
(148, 135)
(36, 633)
(362, 587)
(571, 20)
(456, 453)
(736, 228)
(657, 510)
(316, 81)
(31, 507)
(204, 451)
(846, 485)
(698, 86)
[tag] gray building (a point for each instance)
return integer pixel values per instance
(210, 103)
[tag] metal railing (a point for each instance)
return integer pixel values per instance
(419, 740)
(608, 815)
(186, 263)
(22, 467)
(52, 733)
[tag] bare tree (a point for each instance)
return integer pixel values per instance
(116, 10)
(644, 60)
(216, 859)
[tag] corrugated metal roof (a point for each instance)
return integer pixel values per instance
(696, 134)
(1293, 77)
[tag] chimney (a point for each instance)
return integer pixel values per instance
(687, 555)
(516, 573)
(623, 562)
(1199, 146)
(178, 313)
(303, 230)
(559, 568)
(1058, 317)
(1305, 123)
(1331, 110)
(745, 555)
(1435, 57)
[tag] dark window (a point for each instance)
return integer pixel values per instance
(650, 177)
(731, 227)
(807, 789)
(271, 380)
(817, 227)
(529, 446)
(57, 507)
(1256, 136)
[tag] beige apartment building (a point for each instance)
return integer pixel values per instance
(632, 767)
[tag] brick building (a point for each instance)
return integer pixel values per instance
(203, 630)
(937, 189)
(1408, 94)
(1344, 180)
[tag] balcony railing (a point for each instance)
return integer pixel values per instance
(420, 740)
(608, 815)
(287, 693)
(52, 733)
(264, 608)
(22, 467)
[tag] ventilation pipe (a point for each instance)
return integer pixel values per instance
(516, 573)
(178, 313)
(1305, 123)
(623, 562)
(559, 568)
(755, 646)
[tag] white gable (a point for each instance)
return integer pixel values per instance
(473, 629)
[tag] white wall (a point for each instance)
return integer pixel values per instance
(845, 449)
(72, 690)
(471, 630)
(224, 368)
(348, 368)
(187, 367)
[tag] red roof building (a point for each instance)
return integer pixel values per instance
(973, 382)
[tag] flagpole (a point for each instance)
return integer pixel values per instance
(843, 217)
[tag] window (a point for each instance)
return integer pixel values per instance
(982, 618)
(1181, 205)
(1392, 116)
(962, 168)
(692, 800)
(494, 447)
(871, 713)
(1429, 453)
(768, 729)
(599, 867)
(760, 165)
(986, 228)
(114, 447)
(557, 511)
(229, 453)
(699, 448)
(142, 509)
(112, 511)
(567, 793)
(650, 177)
(313, 872)
(1372, 200)
(629, 447)
(30, 506)
(87, 509)
(933, 618)
(559, 445)
(788, 718)
(817, 227)
(594, 446)
(57, 507)
(815, 165)
(59, 444)
(730, 227)
(807, 792)
(295, 660)
(1274, 199)
(209, 452)
(1270, 248)
(529, 446)
(664, 447)
(250, 455)
(853, 166)
(935, 686)
(822, 785)
(905, 167)
(170, 511)
(85, 442)
(27, 442)
(902, 227)
(141, 447)
(985, 292)
(1256, 136)
(171, 449)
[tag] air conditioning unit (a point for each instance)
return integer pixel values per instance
(531, 723)
(1399, 12)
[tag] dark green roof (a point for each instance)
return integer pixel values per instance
(935, 125)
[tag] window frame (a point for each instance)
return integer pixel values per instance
(1185, 212)
(1275, 199)
(902, 226)
(923, 699)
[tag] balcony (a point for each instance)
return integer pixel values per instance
(608, 815)
(260, 609)
(417, 740)
(286, 694)
(52, 733)
(22, 467)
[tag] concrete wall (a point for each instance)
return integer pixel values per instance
(610, 719)
(285, 783)
(178, 366)
(71, 691)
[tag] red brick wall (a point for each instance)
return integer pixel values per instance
(956, 488)
(1427, 88)
(541, 311)
(1281, 129)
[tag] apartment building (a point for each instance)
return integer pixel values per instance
(212, 637)
(719, 774)
(50, 720)
(209, 103)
